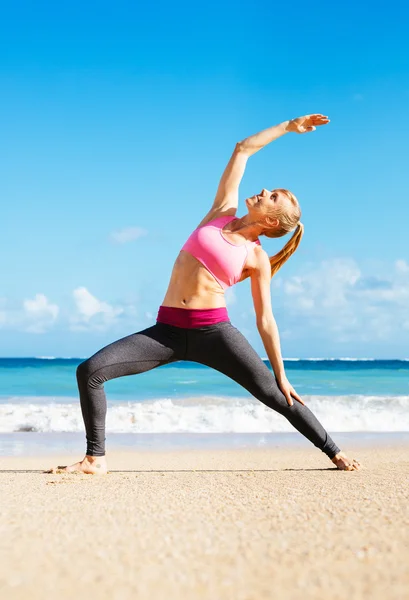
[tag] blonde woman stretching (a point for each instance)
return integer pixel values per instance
(193, 323)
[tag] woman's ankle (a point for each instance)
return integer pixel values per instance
(93, 459)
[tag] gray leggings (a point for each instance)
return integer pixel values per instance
(220, 346)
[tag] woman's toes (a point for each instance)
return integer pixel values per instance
(346, 464)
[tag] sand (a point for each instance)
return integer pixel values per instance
(208, 524)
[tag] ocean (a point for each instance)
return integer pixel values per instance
(40, 396)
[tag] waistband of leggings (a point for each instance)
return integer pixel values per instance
(189, 318)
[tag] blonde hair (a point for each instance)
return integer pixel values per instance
(289, 220)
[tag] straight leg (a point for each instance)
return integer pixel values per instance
(225, 349)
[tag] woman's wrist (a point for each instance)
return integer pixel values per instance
(286, 125)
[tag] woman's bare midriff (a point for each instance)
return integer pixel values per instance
(192, 286)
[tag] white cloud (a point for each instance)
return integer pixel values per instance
(40, 305)
(39, 314)
(10, 318)
(333, 296)
(128, 234)
(3, 315)
(324, 287)
(402, 266)
(91, 312)
(36, 316)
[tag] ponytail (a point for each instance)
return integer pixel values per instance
(281, 257)
(291, 246)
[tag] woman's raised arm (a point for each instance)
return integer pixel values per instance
(227, 196)
(255, 142)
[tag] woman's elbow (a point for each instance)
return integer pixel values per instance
(241, 148)
(265, 323)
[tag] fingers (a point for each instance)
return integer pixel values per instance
(318, 117)
(318, 120)
(315, 119)
(288, 395)
(310, 122)
(288, 392)
(297, 397)
(289, 399)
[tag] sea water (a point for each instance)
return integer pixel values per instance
(191, 401)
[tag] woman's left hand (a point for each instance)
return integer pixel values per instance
(307, 123)
(288, 390)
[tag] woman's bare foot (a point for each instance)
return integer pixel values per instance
(344, 463)
(91, 465)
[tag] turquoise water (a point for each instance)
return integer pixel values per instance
(40, 395)
(21, 378)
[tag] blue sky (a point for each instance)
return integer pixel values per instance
(117, 120)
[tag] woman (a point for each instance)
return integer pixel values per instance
(193, 323)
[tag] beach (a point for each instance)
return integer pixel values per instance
(241, 524)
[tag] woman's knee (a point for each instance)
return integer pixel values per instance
(82, 371)
(86, 372)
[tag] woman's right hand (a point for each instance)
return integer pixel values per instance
(306, 123)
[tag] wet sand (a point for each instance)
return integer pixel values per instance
(237, 524)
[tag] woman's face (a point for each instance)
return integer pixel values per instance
(262, 205)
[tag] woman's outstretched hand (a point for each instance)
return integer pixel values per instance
(306, 123)
(288, 390)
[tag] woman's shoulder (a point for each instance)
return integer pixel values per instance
(215, 218)
(223, 220)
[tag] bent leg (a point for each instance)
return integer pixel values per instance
(225, 349)
(136, 353)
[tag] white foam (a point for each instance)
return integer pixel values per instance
(210, 414)
(59, 357)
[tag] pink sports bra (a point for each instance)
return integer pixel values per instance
(221, 258)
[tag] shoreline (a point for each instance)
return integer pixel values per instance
(18, 444)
